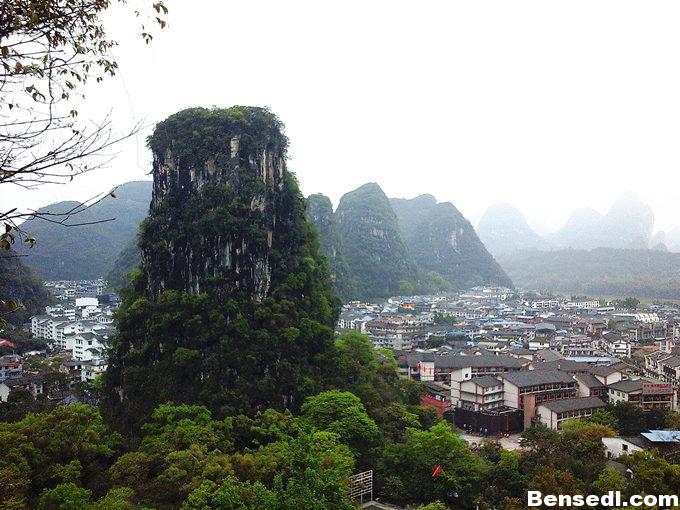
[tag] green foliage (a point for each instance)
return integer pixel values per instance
(404, 469)
(89, 250)
(372, 243)
(437, 505)
(69, 444)
(632, 420)
(196, 135)
(606, 418)
(342, 413)
(18, 284)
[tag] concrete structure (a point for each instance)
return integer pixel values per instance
(554, 414)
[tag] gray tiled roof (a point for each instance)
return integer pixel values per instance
(589, 380)
(486, 381)
(574, 404)
(532, 377)
(482, 361)
(628, 385)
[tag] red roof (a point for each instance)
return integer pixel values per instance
(6, 343)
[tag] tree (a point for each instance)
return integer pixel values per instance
(630, 417)
(343, 413)
(610, 479)
(65, 496)
(49, 51)
(606, 418)
(437, 505)
(405, 469)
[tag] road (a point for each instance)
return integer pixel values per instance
(508, 443)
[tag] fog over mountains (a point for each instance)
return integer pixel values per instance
(629, 224)
(612, 254)
(378, 246)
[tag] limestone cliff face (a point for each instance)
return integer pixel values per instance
(373, 244)
(320, 214)
(219, 177)
(234, 308)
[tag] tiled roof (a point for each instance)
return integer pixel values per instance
(574, 404)
(533, 377)
(486, 381)
(589, 380)
(628, 385)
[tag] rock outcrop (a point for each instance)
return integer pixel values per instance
(234, 307)
(373, 244)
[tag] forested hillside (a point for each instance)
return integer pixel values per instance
(19, 284)
(88, 250)
(602, 271)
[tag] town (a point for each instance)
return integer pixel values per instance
(74, 330)
(496, 362)
(491, 360)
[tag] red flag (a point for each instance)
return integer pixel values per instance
(436, 471)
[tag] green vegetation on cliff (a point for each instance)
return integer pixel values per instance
(320, 214)
(445, 245)
(372, 242)
(234, 307)
(19, 284)
(128, 259)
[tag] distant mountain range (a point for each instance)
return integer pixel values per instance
(606, 272)
(628, 225)
(87, 251)
(613, 254)
(379, 246)
(400, 246)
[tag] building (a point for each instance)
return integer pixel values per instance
(644, 394)
(481, 393)
(554, 414)
(615, 447)
(10, 367)
(526, 389)
(32, 384)
(591, 386)
(92, 368)
(436, 395)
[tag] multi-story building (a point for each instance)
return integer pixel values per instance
(554, 414)
(10, 367)
(483, 393)
(644, 394)
(537, 385)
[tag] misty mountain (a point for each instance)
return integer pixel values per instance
(503, 229)
(444, 242)
(628, 224)
(670, 239)
(87, 251)
(597, 272)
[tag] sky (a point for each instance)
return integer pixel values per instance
(548, 105)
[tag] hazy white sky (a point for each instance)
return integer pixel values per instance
(548, 105)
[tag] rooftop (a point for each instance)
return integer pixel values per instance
(574, 404)
(534, 377)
